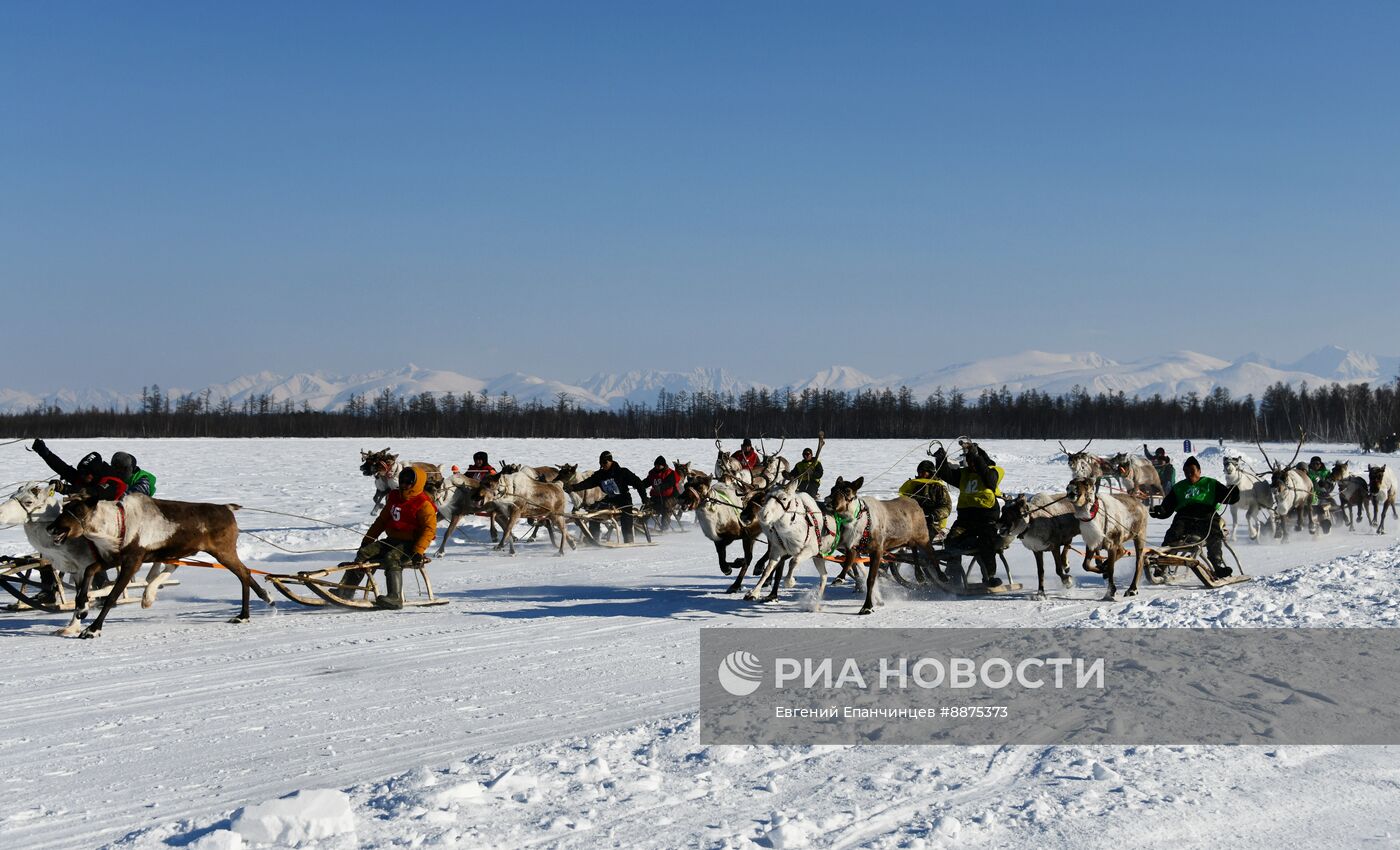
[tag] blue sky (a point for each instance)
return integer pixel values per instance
(193, 191)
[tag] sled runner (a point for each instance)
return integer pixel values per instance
(925, 574)
(608, 517)
(328, 584)
(19, 577)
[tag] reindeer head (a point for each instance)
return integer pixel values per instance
(1376, 477)
(1339, 471)
(781, 500)
(567, 472)
(375, 463)
(25, 504)
(1121, 463)
(696, 488)
(1082, 493)
(1015, 517)
(72, 522)
(843, 497)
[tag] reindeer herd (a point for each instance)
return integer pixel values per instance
(732, 504)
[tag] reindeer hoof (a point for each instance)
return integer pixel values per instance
(66, 631)
(147, 601)
(89, 633)
(867, 610)
(238, 621)
(1040, 595)
(1132, 591)
(1110, 597)
(726, 568)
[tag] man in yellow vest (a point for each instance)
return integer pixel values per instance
(978, 483)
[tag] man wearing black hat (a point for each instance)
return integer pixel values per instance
(808, 473)
(1196, 501)
(665, 486)
(616, 482)
(926, 489)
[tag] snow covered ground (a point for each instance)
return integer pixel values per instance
(552, 703)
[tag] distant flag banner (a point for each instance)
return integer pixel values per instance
(1186, 446)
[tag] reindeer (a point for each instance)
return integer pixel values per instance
(1045, 522)
(1256, 496)
(719, 507)
(1084, 465)
(1383, 493)
(1353, 491)
(139, 529)
(1292, 494)
(384, 467)
(889, 523)
(516, 492)
(1109, 522)
(772, 469)
(37, 504)
(1139, 474)
(795, 528)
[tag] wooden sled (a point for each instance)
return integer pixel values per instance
(17, 579)
(609, 516)
(328, 584)
(1162, 565)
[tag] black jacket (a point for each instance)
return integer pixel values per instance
(92, 474)
(614, 483)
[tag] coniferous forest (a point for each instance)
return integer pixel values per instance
(1360, 413)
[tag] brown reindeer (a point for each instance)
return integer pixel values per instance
(1139, 474)
(384, 467)
(719, 511)
(1044, 522)
(889, 523)
(516, 493)
(1353, 492)
(139, 529)
(1109, 522)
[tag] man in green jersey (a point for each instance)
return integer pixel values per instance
(1196, 501)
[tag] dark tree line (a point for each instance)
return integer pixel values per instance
(1357, 413)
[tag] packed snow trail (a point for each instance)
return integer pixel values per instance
(173, 719)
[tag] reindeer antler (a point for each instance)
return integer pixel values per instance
(821, 441)
(780, 445)
(718, 425)
(1302, 435)
(1267, 459)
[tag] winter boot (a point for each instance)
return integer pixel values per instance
(392, 598)
(350, 582)
(988, 563)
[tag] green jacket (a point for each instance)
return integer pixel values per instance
(142, 482)
(808, 471)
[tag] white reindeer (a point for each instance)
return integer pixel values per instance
(1109, 522)
(796, 529)
(1256, 497)
(1292, 494)
(1384, 490)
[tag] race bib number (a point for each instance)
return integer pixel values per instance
(609, 486)
(973, 485)
(396, 512)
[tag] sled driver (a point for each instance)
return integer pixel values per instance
(665, 484)
(808, 473)
(409, 524)
(1196, 500)
(978, 480)
(614, 481)
(747, 457)
(933, 498)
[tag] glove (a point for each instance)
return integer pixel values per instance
(418, 559)
(1157, 512)
(39, 445)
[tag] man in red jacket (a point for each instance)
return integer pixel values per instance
(409, 523)
(747, 457)
(665, 486)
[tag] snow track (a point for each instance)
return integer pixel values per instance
(551, 703)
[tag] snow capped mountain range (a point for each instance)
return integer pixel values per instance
(1174, 374)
